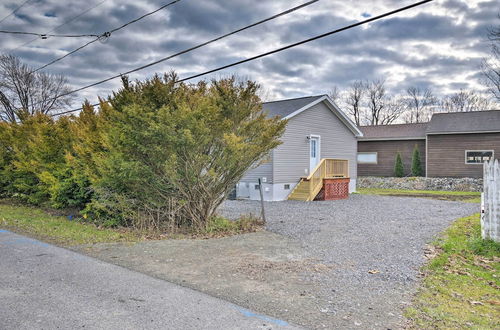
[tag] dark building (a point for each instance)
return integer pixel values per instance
(379, 145)
(450, 145)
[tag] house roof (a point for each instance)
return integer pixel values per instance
(284, 108)
(394, 132)
(465, 122)
(289, 108)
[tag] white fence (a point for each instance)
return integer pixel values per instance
(490, 210)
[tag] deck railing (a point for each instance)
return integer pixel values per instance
(327, 168)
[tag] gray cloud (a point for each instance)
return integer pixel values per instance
(438, 46)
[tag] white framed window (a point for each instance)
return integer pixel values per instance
(478, 156)
(367, 158)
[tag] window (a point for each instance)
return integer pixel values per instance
(478, 156)
(257, 187)
(367, 158)
(313, 148)
(287, 187)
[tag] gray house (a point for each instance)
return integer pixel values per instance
(317, 131)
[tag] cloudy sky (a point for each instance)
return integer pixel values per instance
(438, 45)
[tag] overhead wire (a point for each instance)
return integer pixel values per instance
(63, 24)
(15, 10)
(288, 11)
(47, 35)
(323, 35)
(106, 35)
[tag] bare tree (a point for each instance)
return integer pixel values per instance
(491, 65)
(354, 101)
(335, 94)
(465, 101)
(24, 92)
(419, 103)
(381, 108)
(394, 108)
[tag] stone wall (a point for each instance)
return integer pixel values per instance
(420, 183)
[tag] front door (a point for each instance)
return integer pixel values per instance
(314, 152)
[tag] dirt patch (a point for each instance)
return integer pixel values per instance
(344, 264)
(261, 271)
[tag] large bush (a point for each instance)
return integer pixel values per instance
(170, 152)
(158, 154)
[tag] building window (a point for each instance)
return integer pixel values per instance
(287, 187)
(367, 158)
(257, 187)
(313, 148)
(478, 156)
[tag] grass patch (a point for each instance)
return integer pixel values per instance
(50, 226)
(461, 286)
(59, 230)
(223, 226)
(465, 196)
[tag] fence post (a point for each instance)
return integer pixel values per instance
(490, 204)
(262, 212)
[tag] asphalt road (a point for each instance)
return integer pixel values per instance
(46, 287)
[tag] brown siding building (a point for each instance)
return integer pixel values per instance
(450, 145)
(378, 147)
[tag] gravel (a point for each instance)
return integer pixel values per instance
(374, 243)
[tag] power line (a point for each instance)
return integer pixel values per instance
(47, 35)
(260, 55)
(107, 34)
(63, 24)
(288, 11)
(15, 10)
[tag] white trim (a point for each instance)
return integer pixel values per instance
(426, 156)
(466, 132)
(335, 109)
(466, 151)
(392, 139)
(367, 152)
(318, 151)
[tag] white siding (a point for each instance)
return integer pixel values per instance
(291, 159)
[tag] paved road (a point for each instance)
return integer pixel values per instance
(46, 287)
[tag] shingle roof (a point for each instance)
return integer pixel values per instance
(283, 108)
(465, 122)
(394, 132)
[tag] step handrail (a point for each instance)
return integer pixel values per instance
(324, 160)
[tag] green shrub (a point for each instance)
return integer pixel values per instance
(36, 170)
(399, 170)
(157, 155)
(416, 165)
(173, 151)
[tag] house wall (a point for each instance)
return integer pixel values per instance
(291, 159)
(446, 153)
(386, 154)
(264, 170)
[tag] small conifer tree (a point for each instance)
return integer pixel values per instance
(416, 165)
(399, 170)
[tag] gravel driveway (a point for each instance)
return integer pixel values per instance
(322, 265)
(375, 244)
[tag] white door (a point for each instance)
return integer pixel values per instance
(314, 152)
